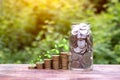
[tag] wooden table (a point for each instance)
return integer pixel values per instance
(21, 72)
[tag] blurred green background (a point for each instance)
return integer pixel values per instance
(31, 30)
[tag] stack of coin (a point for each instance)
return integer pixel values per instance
(39, 65)
(47, 63)
(56, 61)
(64, 60)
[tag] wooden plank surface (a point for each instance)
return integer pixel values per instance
(21, 72)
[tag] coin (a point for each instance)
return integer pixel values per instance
(75, 64)
(74, 57)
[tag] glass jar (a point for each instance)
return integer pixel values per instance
(81, 47)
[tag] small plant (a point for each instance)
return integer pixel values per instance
(54, 51)
(63, 45)
(47, 55)
(40, 59)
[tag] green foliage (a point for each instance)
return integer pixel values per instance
(31, 30)
(61, 46)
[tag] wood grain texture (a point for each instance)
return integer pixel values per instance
(21, 72)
